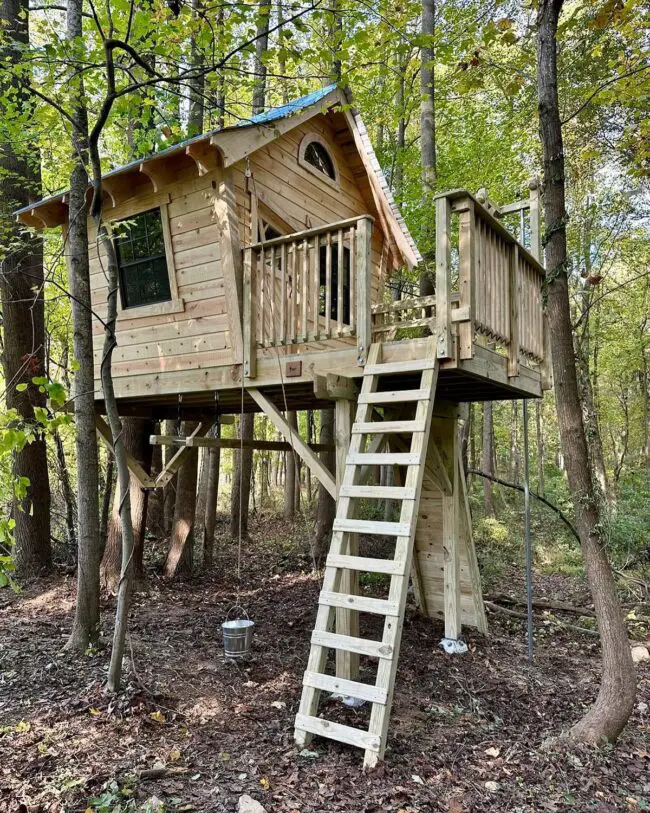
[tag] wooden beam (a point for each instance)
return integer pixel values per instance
(233, 443)
(232, 268)
(472, 562)
(204, 155)
(300, 447)
(335, 387)
(443, 278)
(467, 276)
(363, 271)
(143, 478)
(451, 546)
(514, 286)
(170, 469)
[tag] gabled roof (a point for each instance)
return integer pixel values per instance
(232, 144)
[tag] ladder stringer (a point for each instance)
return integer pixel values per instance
(368, 424)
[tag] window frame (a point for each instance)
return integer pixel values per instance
(174, 305)
(308, 139)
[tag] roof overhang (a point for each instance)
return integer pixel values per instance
(225, 147)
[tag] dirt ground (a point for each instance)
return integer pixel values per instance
(192, 732)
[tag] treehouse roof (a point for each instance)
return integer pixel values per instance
(226, 145)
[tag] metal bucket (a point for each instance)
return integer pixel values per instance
(237, 637)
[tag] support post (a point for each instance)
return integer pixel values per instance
(451, 547)
(466, 251)
(443, 278)
(363, 270)
(225, 209)
(347, 621)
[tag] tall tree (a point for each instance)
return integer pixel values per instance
(180, 558)
(211, 495)
(607, 717)
(197, 78)
(428, 122)
(326, 508)
(85, 628)
(241, 479)
(261, 48)
(487, 457)
(135, 435)
(23, 323)
(291, 479)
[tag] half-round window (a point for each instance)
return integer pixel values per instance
(315, 156)
(318, 157)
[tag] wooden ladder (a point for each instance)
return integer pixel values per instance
(365, 451)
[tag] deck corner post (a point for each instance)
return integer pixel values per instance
(249, 317)
(467, 275)
(514, 285)
(363, 288)
(535, 220)
(451, 544)
(443, 278)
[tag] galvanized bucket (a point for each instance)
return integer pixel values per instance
(237, 635)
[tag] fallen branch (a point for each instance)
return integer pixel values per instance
(560, 606)
(534, 494)
(516, 614)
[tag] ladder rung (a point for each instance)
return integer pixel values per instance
(348, 643)
(392, 396)
(364, 604)
(408, 366)
(378, 492)
(336, 731)
(366, 565)
(385, 427)
(371, 526)
(351, 688)
(382, 459)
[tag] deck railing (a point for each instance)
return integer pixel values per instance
(487, 285)
(308, 287)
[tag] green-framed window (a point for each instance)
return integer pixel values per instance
(144, 276)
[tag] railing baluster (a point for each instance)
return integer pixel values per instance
(339, 286)
(283, 295)
(305, 289)
(353, 280)
(316, 291)
(328, 284)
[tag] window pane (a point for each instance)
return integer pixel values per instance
(144, 279)
(318, 156)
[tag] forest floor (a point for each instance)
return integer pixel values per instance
(192, 732)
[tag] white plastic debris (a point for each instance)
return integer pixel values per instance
(247, 804)
(351, 702)
(453, 646)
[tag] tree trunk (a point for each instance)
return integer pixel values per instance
(326, 509)
(156, 505)
(428, 125)
(107, 498)
(169, 492)
(464, 432)
(541, 452)
(197, 81)
(514, 444)
(487, 458)
(85, 628)
(241, 480)
(211, 495)
(616, 697)
(135, 435)
(21, 292)
(180, 558)
(261, 48)
(291, 472)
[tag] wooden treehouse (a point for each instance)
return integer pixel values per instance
(255, 266)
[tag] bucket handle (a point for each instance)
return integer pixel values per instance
(237, 607)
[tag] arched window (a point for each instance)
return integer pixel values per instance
(314, 155)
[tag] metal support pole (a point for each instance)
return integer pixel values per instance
(527, 540)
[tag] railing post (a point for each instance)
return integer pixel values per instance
(514, 285)
(249, 316)
(537, 252)
(363, 288)
(443, 277)
(466, 251)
